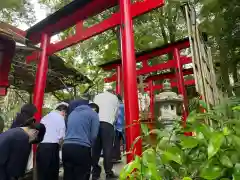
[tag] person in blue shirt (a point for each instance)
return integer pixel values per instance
(119, 132)
(82, 130)
(84, 100)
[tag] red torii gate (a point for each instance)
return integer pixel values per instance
(74, 14)
(176, 64)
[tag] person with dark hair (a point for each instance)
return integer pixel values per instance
(84, 100)
(47, 157)
(108, 110)
(26, 116)
(82, 130)
(119, 132)
(94, 107)
(15, 146)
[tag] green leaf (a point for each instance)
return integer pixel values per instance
(211, 172)
(226, 131)
(204, 129)
(145, 129)
(149, 161)
(236, 141)
(151, 173)
(128, 169)
(149, 156)
(236, 108)
(159, 133)
(188, 142)
(203, 104)
(225, 160)
(173, 154)
(215, 143)
(234, 156)
(192, 116)
(187, 178)
(236, 172)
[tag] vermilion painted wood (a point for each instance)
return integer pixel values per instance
(137, 9)
(41, 77)
(144, 56)
(130, 81)
(180, 81)
(7, 52)
(190, 82)
(162, 66)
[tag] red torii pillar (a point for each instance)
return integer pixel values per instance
(130, 80)
(7, 50)
(41, 77)
(180, 82)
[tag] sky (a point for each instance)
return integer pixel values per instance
(40, 13)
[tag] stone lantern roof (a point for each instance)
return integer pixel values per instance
(167, 95)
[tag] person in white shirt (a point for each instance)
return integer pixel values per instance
(47, 157)
(108, 109)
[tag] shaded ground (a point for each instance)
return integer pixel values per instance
(117, 168)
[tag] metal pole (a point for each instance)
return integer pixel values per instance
(181, 87)
(41, 77)
(130, 80)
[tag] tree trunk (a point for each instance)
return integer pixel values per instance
(224, 69)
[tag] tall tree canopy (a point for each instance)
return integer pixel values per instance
(221, 20)
(17, 11)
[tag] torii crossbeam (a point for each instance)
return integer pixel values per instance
(74, 14)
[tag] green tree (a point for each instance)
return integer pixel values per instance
(220, 19)
(17, 11)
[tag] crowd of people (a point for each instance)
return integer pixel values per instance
(81, 129)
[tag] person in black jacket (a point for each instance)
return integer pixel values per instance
(15, 147)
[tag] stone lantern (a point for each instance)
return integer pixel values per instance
(169, 101)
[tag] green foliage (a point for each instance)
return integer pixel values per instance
(10, 4)
(211, 153)
(220, 19)
(17, 11)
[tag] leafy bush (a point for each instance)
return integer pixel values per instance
(213, 152)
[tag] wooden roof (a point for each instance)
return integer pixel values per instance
(60, 76)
